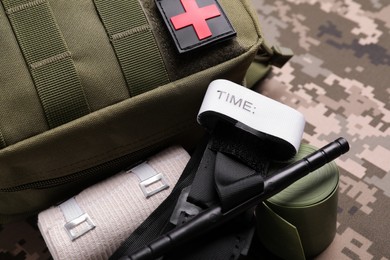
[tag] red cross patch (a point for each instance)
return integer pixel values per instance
(195, 23)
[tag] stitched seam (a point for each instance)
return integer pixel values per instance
(77, 166)
(139, 29)
(49, 60)
(22, 7)
(161, 47)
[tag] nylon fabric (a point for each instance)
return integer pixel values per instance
(255, 73)
(134, 44)
(203, 193)
(95, 60)
(2, 141)
(82, 146)
(235, 182)
(242, 24)
(253, 150)
(239, 144)
(21, 112)
(34, 26)
(60, 92)
(104, 136)
(226, 242)
(221, 179)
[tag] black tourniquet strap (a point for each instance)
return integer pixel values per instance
(226, 242)
(223, 178)
(223, 175)
(245, 137)
(235, 182)
(203, 193)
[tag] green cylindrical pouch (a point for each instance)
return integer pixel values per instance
(300, 221)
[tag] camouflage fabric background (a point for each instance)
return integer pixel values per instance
(339, 79)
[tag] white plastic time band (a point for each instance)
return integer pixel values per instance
(229, 101)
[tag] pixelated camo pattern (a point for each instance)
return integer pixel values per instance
(339, 79)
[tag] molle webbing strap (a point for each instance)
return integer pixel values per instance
(49, 60)
(134, 44)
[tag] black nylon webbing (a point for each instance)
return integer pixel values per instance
(226, 242)
(245, 169)
(224, 177)
(203, 193)
(235, 182)
(248, 148)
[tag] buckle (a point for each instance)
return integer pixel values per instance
(71, 226)
(154, 179)
(183, 206)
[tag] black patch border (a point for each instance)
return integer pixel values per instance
(201, 43)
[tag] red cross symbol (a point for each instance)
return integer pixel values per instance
(195, 16)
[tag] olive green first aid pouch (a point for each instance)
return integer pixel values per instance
(88, 87)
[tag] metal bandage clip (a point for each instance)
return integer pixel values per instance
(75, 218)
(148, 176)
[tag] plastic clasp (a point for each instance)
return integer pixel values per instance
(154, 179)
(74, 232)
(182, 205)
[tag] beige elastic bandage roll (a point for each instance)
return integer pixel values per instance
(93, 224)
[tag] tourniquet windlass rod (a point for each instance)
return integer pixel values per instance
(214, 216)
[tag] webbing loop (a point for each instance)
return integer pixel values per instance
(274, 55)
(134, 44)
(49, 60)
